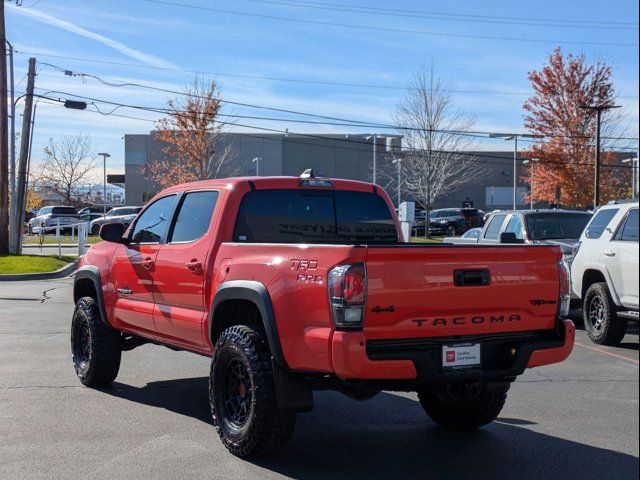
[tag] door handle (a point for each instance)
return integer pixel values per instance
(194, 265)
(609, 253)
(147, 263)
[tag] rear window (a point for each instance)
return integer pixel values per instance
(600, 222)
(554, 226)
(314, 216)
(128, 211)
(64, 211)
(471, 213)
(493, 229)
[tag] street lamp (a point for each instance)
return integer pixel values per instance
(375, 137)
(634, 178)
(525, 162)
(398, 161)
(256, 160)
(514, 137)
(104, 181)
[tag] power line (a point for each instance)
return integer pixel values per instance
(440, 16)
(287, 133)
(387, 29)
(346, 122)
(278, 79)
(469, 15)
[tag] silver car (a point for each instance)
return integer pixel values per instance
(115, 215)
(50, 217)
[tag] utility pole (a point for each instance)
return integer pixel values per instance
(12, 154)
(24, 150)
(596, 181)
(4, 140)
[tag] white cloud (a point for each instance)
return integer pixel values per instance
(109, 42)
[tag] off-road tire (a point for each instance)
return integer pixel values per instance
(98, 364)
(266, 429)
(463, 414)
(600, 316)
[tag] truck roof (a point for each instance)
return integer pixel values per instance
(271, 182)
(541, 210)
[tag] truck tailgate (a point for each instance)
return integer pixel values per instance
(438, 291)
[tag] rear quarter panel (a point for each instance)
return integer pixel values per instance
(295, 277)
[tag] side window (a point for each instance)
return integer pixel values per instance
(629, 231)
(515, 226)
(194, 216)
(152, 224)
(493, 229)
(600, 222)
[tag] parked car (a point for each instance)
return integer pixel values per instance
(115, 215)
(605, 272)
(551, 227)
(295, 284)
(419, 219)
(100, 209)
(473, 233)
(29, 214)
(64, 216)
(454, 221)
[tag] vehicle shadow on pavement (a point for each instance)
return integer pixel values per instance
(390, 435)
(170, 395)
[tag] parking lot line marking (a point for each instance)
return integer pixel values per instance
(627, 359)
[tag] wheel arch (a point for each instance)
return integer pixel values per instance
(251, 294)
(595, 275)
(87, 283)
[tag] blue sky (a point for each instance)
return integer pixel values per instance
(169, 43)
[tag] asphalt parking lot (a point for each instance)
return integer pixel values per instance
(578, 419)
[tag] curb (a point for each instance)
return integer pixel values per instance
(60, 273)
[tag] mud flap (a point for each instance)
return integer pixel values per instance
(292, 394)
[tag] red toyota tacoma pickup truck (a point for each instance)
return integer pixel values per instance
(292, 285)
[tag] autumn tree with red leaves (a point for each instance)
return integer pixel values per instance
(566, 160)
(192, 136)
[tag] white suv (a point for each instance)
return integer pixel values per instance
(604, 272)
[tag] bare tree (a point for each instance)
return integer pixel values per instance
(68, 163)
(193, 135)
(436, 159)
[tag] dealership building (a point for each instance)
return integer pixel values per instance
(332, 155)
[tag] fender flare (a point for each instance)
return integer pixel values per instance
(92, 273)
(607, 278)
(256, 293)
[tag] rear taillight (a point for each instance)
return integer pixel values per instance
(564, 299)
(347, 294)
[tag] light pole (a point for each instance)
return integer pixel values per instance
(634, 178)
(256, 160)
(531, 162)
(398, 162)
(104, 181)
(514, 137)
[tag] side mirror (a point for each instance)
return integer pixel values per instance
(113, 232)
(509, 237)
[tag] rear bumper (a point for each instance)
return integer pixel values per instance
(419, 360)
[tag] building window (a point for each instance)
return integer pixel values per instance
(135, 157)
